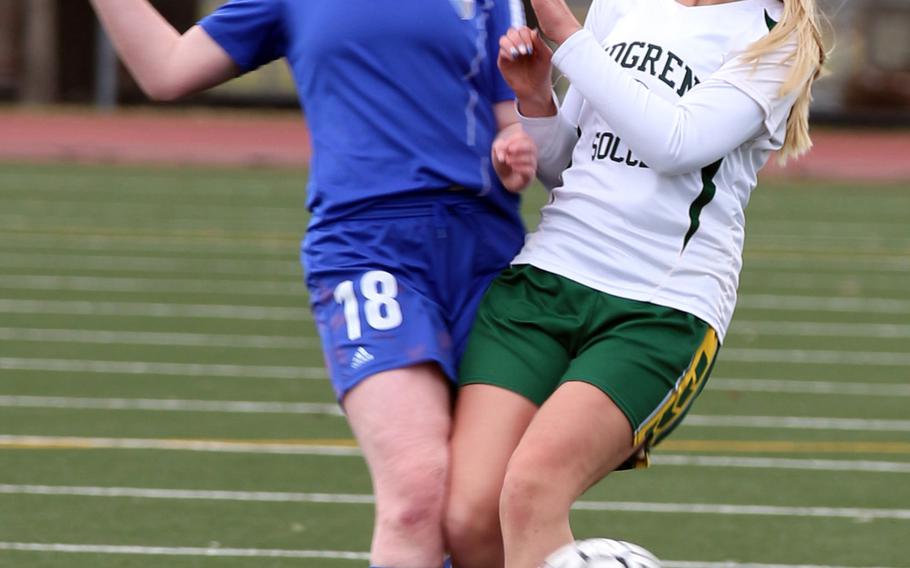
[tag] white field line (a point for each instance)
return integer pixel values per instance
(182, 551)
(189, 495)
(154, 310)
(151, 338)
(818, 329)
(349, 499)
(188, 211)
(816, 357)
(127, 242)
(340, 450)
(825, 243)
(864, 466)
(746, 510)
(290, 342)
(293, 288)
(170, 405)
(853, 263)
(319, 373)
(824, 304)
(328, 409)
(810, 387)
(60, 548)
(761, 243)
(731, 564)
(741, 355)
(740, 328)
(833, 227)
(761, 302)
(798, 423)
(24, 221)
(817, 283)
(293, 285)
(168, 369)
(302, 554)
(331, 409)
(121, 264)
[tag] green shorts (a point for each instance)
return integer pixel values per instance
(536, 330)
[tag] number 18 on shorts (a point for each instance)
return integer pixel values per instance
(373, 321)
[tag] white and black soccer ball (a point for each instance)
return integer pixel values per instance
(601, 553)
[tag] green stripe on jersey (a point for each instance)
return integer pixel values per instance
(708, 191)
(769, 21)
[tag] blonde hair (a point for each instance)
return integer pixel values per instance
(802, 19)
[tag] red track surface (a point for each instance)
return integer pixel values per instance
(281, 139)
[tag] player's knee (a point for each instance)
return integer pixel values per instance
(527, 492)
(412, 494)
(471, 524)
(410, 514)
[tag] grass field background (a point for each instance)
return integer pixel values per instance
(163, 402)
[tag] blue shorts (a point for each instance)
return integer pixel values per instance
(399, 284)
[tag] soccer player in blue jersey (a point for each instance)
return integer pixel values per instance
(417, 158)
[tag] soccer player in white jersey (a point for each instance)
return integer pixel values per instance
(591, 348)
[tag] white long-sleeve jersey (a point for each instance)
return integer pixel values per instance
(656, 150)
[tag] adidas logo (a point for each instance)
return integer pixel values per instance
(361, 358)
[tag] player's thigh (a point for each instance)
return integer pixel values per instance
(652, 366)
(489, 422)
(577, 437)
(402, 421)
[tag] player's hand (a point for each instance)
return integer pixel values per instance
(515, 159)
(524, 60)
(557, 21)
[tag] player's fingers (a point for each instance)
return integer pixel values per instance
(521, 145)
(526, 41)
(522, 160)
(500, 150)
(508, 45)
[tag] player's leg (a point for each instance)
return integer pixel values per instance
(401, 419)
(513, 336)
(637, 370)
(489, 423)
(388, 351)
(559, 457)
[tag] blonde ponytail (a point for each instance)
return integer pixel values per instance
(800, 18)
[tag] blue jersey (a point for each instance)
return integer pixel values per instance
(398, 94)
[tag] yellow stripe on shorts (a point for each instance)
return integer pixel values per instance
(678, 400)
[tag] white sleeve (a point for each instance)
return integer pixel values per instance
(733, 106)
(601, 17)
(555, 137)
(762, 82)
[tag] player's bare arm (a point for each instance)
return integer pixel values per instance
(525, 62)
(557, 21)
(166, 64)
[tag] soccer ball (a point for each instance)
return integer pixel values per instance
(601, 553)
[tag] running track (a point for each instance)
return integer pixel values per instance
(255, 138)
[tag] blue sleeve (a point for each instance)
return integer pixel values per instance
(252, 32)
(504, 15)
